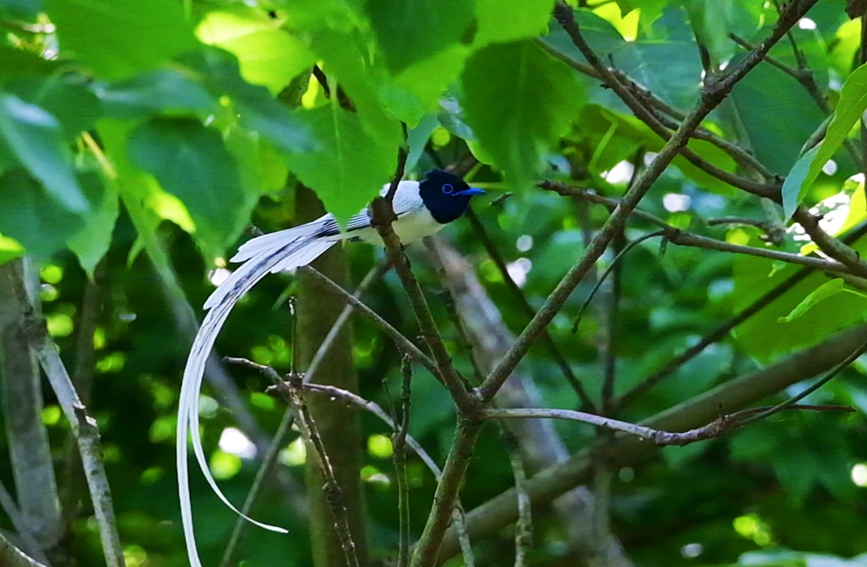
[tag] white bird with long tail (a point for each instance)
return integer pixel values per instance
(422, 208)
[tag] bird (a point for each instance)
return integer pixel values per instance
(422, 209)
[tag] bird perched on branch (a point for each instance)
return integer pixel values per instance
(422, 208)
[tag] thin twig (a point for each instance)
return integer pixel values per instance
(402, 342)
(398, 442)
(684, 238)
(332, 490)
(272, 453)
(524, 525)
(791, 402)
(545, 336)
(83, 426)
(721, 426)
(382, 219)
(830, 245)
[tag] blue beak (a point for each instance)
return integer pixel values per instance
(471, 191)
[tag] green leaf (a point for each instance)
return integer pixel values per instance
(191, 163)
(69, 100)
(824, 291)
(360, 78)
(501, 22)
(519, 101)
(648, 62)
(417, 138)
(20, 63)
(794, 188)
(35, 137)
(32, 217)
(409, 32)
(173, 91)
(760, 106)
(91, 243)
(418, 89)
(350, 166)
(267, 55)
(133, 36)
(852, 104)
(763, 335)
(257, 109)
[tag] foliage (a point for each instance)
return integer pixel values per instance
(163, 127)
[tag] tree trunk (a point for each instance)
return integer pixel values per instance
(337, 424)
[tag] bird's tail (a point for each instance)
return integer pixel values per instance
(284, 250)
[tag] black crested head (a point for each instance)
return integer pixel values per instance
(445, 195)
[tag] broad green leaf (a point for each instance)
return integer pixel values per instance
(409, 32)
(501, 22)
(824, 291)
(852, 104)
(70, 101)
(267, 55)
(147, 204)
(351, 68)
(519, 101)
(91, 243)
(191, 162)
(20, 63)
(794, 188)
(133, 36)
(170, 91)
(350, 166)
(418, 89)
(32, 217)
(648, 62)
(35, 137)
(256, 108)
(760, 106)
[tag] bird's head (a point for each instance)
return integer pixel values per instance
(445, 195)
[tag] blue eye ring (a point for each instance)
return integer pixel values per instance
(448, 188)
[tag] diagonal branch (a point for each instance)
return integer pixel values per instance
(712, 94)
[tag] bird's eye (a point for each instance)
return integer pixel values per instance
(448, 189)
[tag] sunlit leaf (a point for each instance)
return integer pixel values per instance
(267, 55)
(409, 32)
(35, 138)
(191, 162)
(349, 167)
(822, 292)
(133, 36)
(852, 104)
(508, 21)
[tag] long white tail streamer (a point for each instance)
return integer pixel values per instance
(270, 253)
(282, 256)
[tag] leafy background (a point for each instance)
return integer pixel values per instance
(138, 140)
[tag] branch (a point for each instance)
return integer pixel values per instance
(548, 484)
(401, 341)
(382, 218)
(271, 453)
(556, 355)
(683, 238)
(712, 94)
(84, 427)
